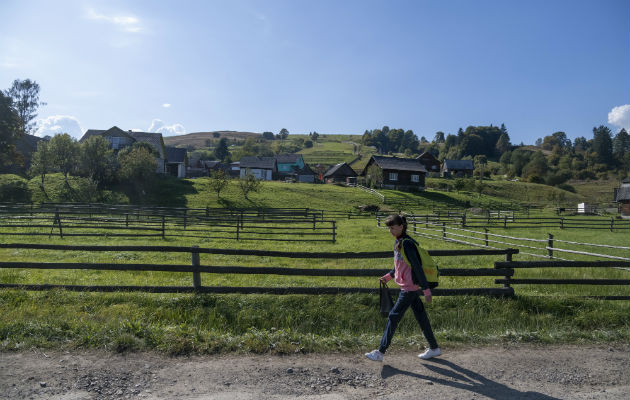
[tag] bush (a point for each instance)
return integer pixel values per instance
(14, 189)
(535, 179)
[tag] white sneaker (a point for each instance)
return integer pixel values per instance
(374, 355)
(430, 353)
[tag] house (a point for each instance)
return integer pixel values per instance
(235, 169)
(263, 168)
(176, 161)
(429, 161)
(119, 139)
(622, 197)
(398, 173)
(288, 164)
(457, 168)
(306, 174)
(339, 173)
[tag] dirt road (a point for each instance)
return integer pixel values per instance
(500, 372)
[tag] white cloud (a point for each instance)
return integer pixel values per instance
(620, 117)
(55, 124)
(126, 23)
(166, 105)
(157, 125)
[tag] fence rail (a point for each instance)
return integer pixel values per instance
(196, 269)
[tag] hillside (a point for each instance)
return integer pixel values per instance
(198, 139)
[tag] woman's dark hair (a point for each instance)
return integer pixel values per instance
(397, 220)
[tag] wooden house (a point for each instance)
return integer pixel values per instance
(119, 139)
(399, 173)
(288, 164)
(457, 168)
(432, 164)
(339, 173)
(263, 168)
(622, 197)
(176, 161)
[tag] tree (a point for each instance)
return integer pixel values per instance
(480, 162)
(221, 152)
(314, 136)
(137, 166)
(249, 184)
(25, 95)
(9, 131)
(218, 181)
(42, 161)
(621, 149)
(503, 144)
(267, 135)
(374, 176)
(97, 160)
(216, 134)
(439, 137)
(602, 144)
(65, 154)
(283, 134)
(308, 144)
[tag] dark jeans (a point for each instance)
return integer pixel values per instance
(406, 299)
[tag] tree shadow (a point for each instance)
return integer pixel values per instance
(458, 377)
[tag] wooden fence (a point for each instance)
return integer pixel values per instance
(509, 220)
(120, 221)
(548, 247)
(196, 268)
(511, 265)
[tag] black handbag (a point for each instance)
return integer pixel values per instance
(386, 300)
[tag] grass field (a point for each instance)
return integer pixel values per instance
(189, 323)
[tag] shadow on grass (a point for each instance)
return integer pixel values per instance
(455, 376)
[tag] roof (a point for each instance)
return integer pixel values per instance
(175, 155)
(288, 158)
(627, 180)
(459, 164)
(400, 164)
(623, 193)
(154, 139)
(427, 156)
(91, 132)
(259, 162)
(306, 170)
(340, 169)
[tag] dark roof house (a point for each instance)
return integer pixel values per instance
(339, 173)
(119, 139)
(458, 168)
(398, 173)
(176, 161)
(429, 161)
(264, 168)
(622, 196)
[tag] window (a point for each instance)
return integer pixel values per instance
(393, 176)
(115, 142)
(415, 178)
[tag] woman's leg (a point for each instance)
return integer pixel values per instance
(423, 320)
(395, 315)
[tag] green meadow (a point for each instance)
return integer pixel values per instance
(208, 323)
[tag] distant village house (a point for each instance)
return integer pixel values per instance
(398, 173)
(457, 168)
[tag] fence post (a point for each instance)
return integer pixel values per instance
(314, 221)
(238, 226)
(463, 220)
(415, 231)
(550, 245)
(561, 222)
(612, 223)
(378, 220)
(185, 215)
(486, 229)
(196, 263)
(163, 227)
(207, 211)
(443, 230)
(508, 258)
(426, 221)
(505, 222)
(58, 220)
(334, 232)
(127, 220)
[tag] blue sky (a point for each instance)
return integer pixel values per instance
(326, 66)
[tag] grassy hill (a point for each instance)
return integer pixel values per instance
(198, 139)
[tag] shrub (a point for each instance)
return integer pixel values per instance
(14, 189)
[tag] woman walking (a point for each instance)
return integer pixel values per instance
(408, 273)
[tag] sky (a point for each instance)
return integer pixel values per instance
(331, 66)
